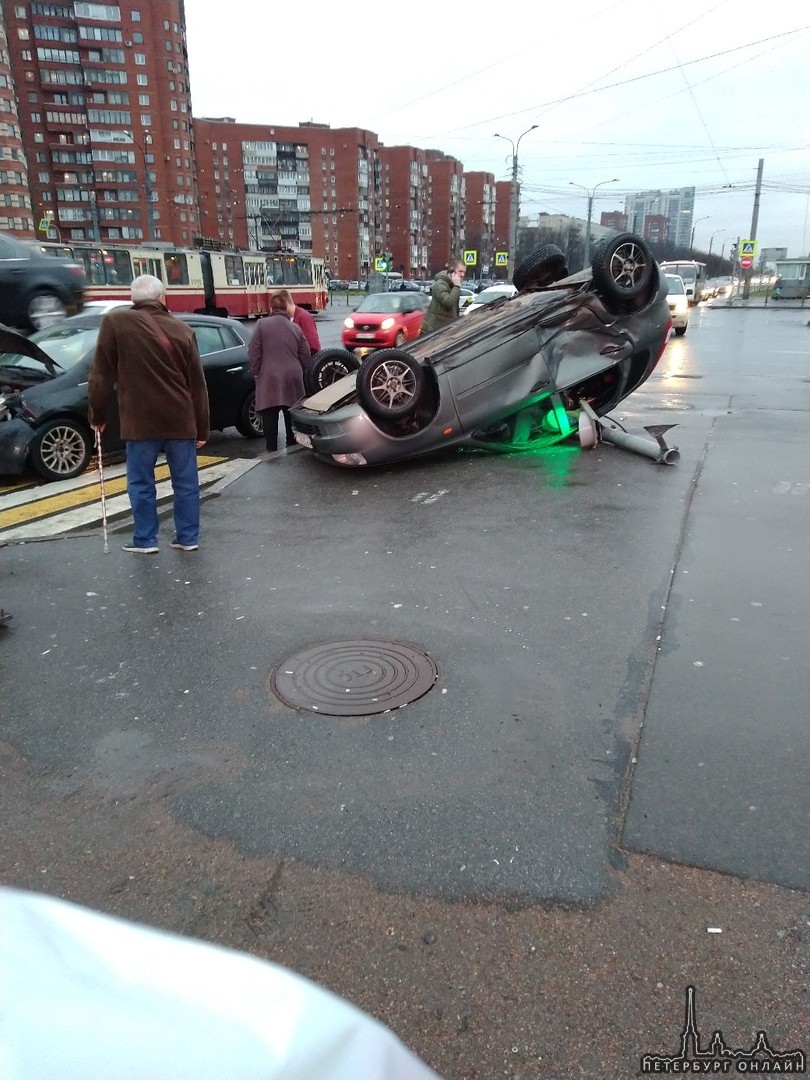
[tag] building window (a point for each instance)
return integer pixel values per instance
(140, 59)
(143, 99)
(136, 16)
(142, 80)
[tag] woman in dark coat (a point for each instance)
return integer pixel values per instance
(278, 355)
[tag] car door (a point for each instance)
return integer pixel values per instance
(225, 363)
(14, 268)
(412, 315)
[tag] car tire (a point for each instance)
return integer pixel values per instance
(390, 384)
(250, 422)
(622, 267)
(326, 367)
(45, 308)
(680, 330)
(62, 449)
(543, 266)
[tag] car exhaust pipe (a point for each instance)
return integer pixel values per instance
(593, 430)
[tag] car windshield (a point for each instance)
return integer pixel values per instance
(675, 284)
(66, 346)
(489, 295)
(382, 302)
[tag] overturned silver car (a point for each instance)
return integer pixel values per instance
(510, 376)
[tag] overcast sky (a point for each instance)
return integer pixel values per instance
(654, 94)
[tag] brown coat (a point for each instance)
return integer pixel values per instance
(278, 355)
(161, 391)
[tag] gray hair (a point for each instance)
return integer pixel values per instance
(147, 287)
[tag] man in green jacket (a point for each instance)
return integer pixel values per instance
(153, 362)
(444, 297)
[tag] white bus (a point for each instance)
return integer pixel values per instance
(694, 277)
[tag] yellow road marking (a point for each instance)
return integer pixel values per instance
(89, 493)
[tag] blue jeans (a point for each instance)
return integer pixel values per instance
(181, 457)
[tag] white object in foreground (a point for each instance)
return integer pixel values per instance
(85, 996)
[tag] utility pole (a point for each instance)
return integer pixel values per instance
(754, 221)
(514, 197)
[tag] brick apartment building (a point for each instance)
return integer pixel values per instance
(105, 116)
(97, 136)
(479, 227)
(15, 202)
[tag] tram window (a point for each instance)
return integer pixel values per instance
(93, 261)
(290, 272)
(176, 269)
(276, 272)
(143, 265)
(234, 271)
(119, 268)
(305, 271)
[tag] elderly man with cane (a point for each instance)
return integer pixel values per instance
(153, 362)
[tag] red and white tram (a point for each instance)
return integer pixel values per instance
(235, 283)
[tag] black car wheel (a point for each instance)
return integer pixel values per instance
(44, 309)
(250, 422)
(327, 367)
(544, 266)
(61, 450)
(390, 384)
(622, 267)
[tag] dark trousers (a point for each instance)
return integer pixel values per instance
(270, 423)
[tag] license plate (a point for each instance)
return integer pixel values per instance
(365, 337)
(302, 440)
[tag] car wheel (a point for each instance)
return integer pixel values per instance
(327, 367)
(61, 450)
(545, 265)
(680, 330)
(250, 422)
(45, 309)
(622, 267)
(390, 384)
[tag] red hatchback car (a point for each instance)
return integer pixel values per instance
(384, 321)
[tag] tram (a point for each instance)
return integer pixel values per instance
(235, 283)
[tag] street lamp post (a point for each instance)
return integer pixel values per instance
(692, 238)
(591, 192)
(514, 196)
(150, 208)
(711, 238)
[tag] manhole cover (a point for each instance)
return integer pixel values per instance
(354, 678)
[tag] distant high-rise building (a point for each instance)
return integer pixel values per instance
(405, 204)
(105, 116)
(676, 205)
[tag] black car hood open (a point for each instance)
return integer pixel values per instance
(12, 342)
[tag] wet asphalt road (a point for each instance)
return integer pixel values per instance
(622, 649)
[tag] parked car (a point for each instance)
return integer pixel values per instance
(382, 320)
(466, 297)
(36, 289)
(511, 376)
(678, 303)
(43, 392)
(489, 296)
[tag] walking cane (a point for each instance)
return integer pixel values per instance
(103, 494)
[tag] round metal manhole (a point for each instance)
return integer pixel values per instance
(354, 678)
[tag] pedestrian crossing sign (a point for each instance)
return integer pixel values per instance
(381, 265)
(470, 258)
(45, 224)
(501, 258)
(748, 247)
